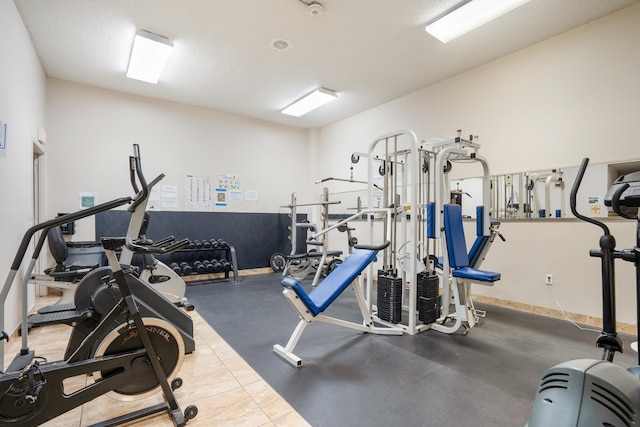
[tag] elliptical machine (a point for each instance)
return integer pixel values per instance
(92, 299)
(586, 392)
(154, 272)
(139, 357)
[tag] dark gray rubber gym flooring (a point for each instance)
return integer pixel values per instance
(486, 378)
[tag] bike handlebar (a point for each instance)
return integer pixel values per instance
(114, 243)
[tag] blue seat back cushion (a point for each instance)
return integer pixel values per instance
(476, 250)
(454, 233)
(336, 282)
(479, 220)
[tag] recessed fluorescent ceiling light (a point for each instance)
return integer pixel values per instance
(470, 16)
(148, 57)
(310, 102)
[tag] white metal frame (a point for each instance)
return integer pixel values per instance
(409, 211)
(457, 291)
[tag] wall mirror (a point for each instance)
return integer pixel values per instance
(544, 193)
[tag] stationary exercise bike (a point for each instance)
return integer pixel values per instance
(585, 392)
(135, 359)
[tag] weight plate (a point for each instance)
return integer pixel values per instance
(278, 262)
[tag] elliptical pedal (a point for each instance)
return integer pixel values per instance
(58, 318)
(57, 308)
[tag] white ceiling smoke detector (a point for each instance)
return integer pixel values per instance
(314, 9)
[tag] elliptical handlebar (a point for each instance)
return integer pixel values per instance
(135, 175)
(574, 194)
(132, 174)
(63, 219)
(136, 163)
(608, 339)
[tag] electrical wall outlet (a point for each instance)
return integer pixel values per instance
(548, 279)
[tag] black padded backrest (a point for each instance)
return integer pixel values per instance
(57, 245)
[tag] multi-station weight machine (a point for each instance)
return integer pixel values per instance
(411, 178)
(424, 271)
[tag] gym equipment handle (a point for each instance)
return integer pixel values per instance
(615, 202)
(373, 247)
(136, 163)
(63, 219)
(153, 249)
(574, 194)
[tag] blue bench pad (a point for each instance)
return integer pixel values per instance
(475, 274)
(337, 281)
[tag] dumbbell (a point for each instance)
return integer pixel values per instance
(208, 266)
(199, 266)
(206, 243)
(175, 267)
(226, 265)
(214, 243)
(198, 244)
(222, 244)
(217, 267)
(186, 268)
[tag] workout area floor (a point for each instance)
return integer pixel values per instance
(485, 378)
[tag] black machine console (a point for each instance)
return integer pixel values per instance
(630, 196)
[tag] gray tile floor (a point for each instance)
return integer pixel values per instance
(486, 378)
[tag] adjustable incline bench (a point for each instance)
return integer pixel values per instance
(310, 305)
(462, 275)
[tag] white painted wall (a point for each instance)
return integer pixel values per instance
(550, 105)
(91, 132)
(22, 93)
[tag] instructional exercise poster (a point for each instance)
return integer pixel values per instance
(154, 200)
(230, 182)
(169, 196)
(197, 193)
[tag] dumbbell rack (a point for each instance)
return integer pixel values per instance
(204, 260)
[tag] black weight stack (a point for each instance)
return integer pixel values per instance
(428, 297)
(389, 297)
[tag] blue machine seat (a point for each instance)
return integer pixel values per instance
(337, 281)
(475, 274)
(457, 248)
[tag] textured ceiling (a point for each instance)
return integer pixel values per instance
(368, 51)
